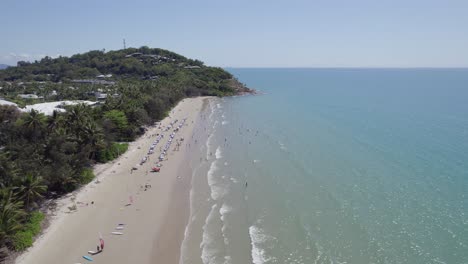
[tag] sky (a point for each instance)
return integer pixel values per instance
(245, 33)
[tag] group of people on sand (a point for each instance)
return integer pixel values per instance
(164, 149)
(99, 247)
(159, 137)
(85, 204)
(171, 137)
(147, 186)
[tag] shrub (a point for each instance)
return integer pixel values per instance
(118, 118)
(86, 176)
(112, 152)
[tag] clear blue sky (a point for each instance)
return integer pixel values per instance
(245, 33)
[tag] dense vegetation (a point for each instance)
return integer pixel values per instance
(47, 156)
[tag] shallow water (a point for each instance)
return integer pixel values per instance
(333, 166)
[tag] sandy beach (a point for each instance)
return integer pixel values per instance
(152, 218)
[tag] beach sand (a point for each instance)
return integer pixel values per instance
(154, 223)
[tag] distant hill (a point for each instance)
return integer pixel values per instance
(132, 64)
(4, 66)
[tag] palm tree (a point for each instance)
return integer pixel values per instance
(34, 123)
(30, 189)
(92, 135)
(54, 121)
(11, 214)
(34, 120)
(76, 118)
(8, 170)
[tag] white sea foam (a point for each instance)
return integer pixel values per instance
(208, 145)
(234, 180)
(218, 153)
(208, 244)
(223, 211)
(219, 106)
(226, 163)
(188, 228)
(224, 123)
(184, 246)
(212, 108)
(282, 147)
(217, 191)
(258, 239)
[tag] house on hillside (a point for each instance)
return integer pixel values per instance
(136, 54)
(192, 67)
(100, 96)
(102, 76)
(29, 96)
(92, 81)
(5, 102)
(53, 93)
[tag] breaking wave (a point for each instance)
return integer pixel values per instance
(218, 153)
(259, 241)
(208, 244)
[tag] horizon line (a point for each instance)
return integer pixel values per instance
(342, 67)
(330, 67)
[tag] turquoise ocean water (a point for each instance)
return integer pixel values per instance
(333, 166)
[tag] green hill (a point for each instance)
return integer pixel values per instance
(130, 65)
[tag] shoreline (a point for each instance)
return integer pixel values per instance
(172, 232)
(165, 206)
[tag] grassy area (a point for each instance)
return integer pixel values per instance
(87, 176)
(24, 239)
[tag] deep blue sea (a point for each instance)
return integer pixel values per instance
(333, 166)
